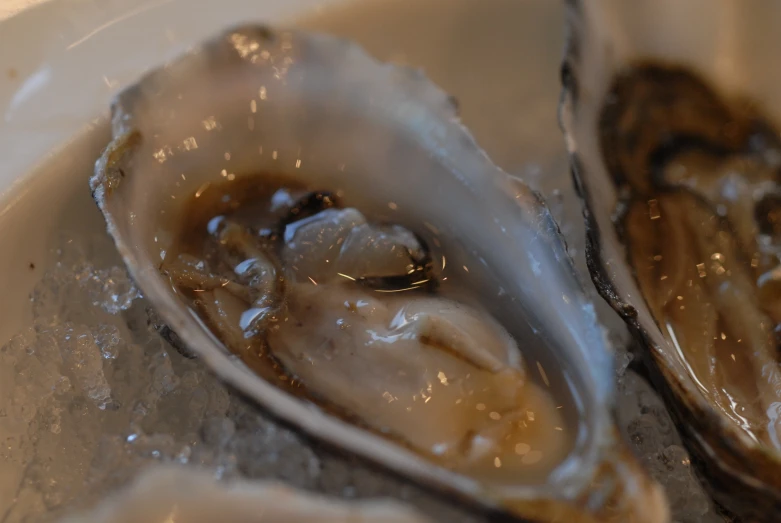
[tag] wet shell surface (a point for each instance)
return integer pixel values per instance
(670, 112)
(382, 153)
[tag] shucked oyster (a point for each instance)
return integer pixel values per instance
(679, 166)
(322, 232)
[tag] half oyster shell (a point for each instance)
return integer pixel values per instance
(171, 493)
(318, 110)
(667, 110)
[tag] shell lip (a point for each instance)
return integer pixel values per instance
(163, 489)
(307, 417)
(674, 386)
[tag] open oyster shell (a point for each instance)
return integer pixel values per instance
(171, 493)
(671, 82)
(320, 110)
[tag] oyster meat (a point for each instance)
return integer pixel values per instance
(679, 169)
(357, 315)
(321, 231)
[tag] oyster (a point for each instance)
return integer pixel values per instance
(324, 234)
(170, 493)
(669, 122)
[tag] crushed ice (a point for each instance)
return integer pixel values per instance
(90, 394)
(652, 434)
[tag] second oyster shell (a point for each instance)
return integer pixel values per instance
(661, 136)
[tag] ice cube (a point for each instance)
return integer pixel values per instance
(84, 361)
(108, 339)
